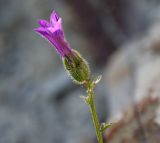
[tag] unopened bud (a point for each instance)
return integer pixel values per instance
(77, 67)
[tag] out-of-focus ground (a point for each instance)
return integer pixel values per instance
(120, 40)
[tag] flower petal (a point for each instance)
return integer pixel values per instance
(61, 46)
(45, 34)
(54, 18)
(41, 30)
(43, 23)
(53, 32)
(58, 24)
(58, 33)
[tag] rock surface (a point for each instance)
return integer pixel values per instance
(133, 85)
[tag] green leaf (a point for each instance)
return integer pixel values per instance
(105, 126)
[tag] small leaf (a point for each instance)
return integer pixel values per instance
(86, 99)
(98, 79)
(105, 126)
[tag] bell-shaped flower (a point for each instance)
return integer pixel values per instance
(53, 32)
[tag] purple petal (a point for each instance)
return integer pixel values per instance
(45, 34)
(58, 24)
(43, 23)
(53, 32)
(54, 18)
(61, 46)
(41, 31)
(58, 33)
(56, 39)
(56, 30)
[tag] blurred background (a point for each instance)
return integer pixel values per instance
(119, 38)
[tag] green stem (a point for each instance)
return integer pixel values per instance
(94, 114)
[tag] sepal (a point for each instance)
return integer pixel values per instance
(77, 67)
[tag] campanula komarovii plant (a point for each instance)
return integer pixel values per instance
(76, 66)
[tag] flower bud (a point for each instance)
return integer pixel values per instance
(77, 67)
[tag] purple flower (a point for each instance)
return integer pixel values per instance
(53, 32)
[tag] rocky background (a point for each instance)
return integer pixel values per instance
(120, 40)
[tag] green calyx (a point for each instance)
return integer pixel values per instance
(77, 67)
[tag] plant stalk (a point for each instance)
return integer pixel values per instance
(94, 114)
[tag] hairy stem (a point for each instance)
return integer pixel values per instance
(94, 114)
